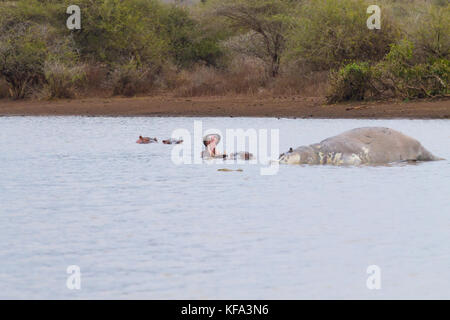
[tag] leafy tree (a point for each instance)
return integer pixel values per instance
(189, 41)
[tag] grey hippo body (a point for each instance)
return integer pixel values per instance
(371, 145)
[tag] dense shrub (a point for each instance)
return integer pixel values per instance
(350, 83)
(396, 76)
(329, 33)
(114, 31)
(147, 31)
(188, 43)
(399, 75)
(22, 57)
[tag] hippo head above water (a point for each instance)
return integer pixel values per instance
(304, 154)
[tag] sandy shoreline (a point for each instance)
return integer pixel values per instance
(234, 106)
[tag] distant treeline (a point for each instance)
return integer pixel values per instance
(217, 47)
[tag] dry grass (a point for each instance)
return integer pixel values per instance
(248, 76)
(311, 84)
(95, 77)
(132, 79)
(244, 76)
(62, 81)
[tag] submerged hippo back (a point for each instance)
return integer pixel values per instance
(370, 145)
(377, 145)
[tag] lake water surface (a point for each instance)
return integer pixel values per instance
(80, 191)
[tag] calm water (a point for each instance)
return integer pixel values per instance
(80, 191)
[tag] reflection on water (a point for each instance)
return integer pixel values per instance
(80, 191)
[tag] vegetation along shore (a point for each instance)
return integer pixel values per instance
(297, 58)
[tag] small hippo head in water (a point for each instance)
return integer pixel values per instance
(173, 141)
(304, 154)
(145, 140)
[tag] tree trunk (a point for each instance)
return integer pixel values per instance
(275, 65)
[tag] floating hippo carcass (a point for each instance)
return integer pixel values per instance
(371, 145)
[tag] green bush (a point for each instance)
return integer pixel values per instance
(401, 74)
(33, 11)
(22, 57)
(350, 83)
(114, 31)
(147, 31)
(189, 41)
(397, 76)
(28, 39)
(330, 33)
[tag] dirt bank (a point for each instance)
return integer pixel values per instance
(236, 106)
